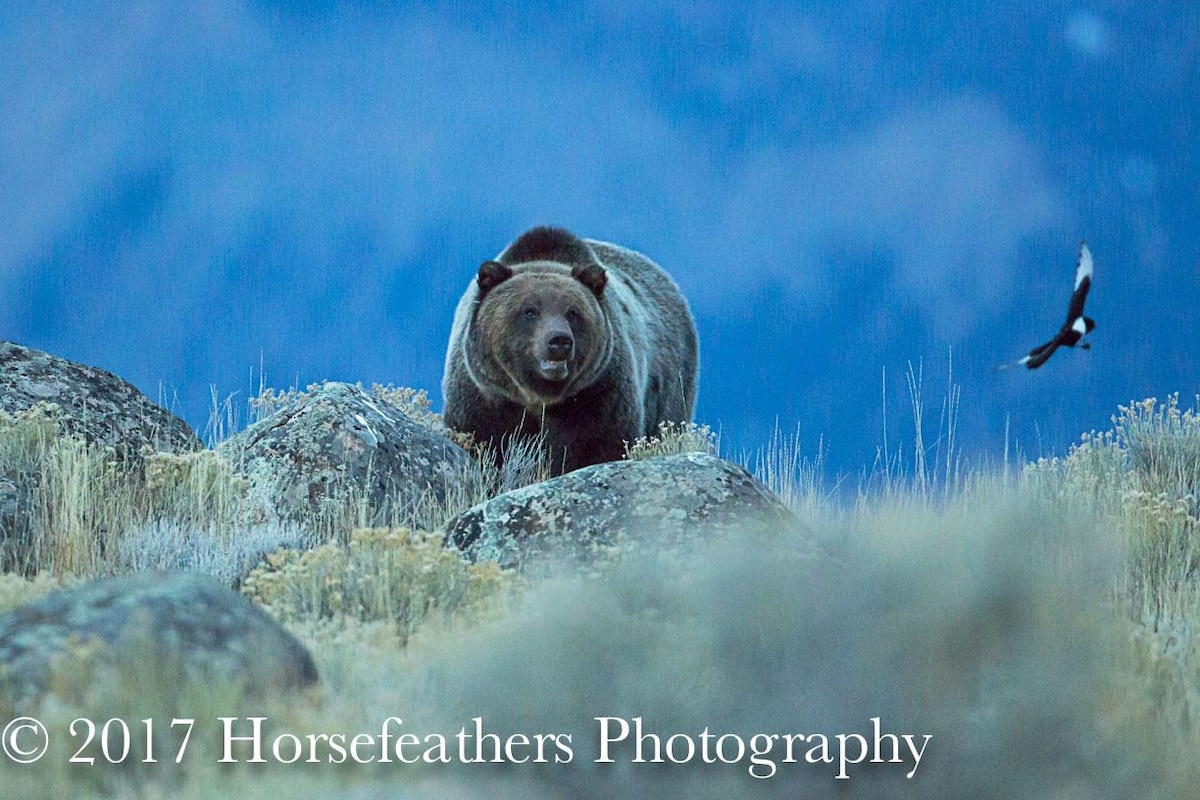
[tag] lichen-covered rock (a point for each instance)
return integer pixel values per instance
(94, 405)
(98, 637)
(341, 445)
(585, 514)
(46, 401)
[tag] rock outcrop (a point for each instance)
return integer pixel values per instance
(94, 405)
(102, 636)
(339, 446)
(44, 398)
(585, 514)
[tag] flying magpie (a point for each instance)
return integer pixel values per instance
(1077, 325)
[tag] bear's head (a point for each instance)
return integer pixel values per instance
(539, 332)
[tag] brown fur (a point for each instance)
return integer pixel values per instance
(587, 343)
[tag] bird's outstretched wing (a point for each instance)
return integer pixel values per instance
(1077, 325)
(1083, 282)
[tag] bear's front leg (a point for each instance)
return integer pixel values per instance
(591, 428)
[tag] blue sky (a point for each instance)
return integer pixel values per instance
(840, 189)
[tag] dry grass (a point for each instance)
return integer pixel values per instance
(479, 479)
(83, 497)
(392, 574)
(88, 515)
(674, 438)
(1039, 626)
(16, 589)
(796, 479)
(1140, 478)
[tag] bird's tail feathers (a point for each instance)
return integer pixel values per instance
(1040, 355)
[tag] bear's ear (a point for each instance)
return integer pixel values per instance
(491, 274)
(592, 276)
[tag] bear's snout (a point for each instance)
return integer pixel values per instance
(559, 345)
(557, 348)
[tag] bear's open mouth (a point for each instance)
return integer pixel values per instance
(553, 370)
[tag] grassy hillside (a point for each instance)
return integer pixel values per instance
(1035, 620)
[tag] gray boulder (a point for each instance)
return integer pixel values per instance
(57, 397)
(587, 514)
(341, 447)
(94, 405)
(101, 637)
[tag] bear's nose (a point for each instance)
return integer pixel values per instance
(558, 346)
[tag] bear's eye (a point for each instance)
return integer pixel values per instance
(529, 312)
(572, 316)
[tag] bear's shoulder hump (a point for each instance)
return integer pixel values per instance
(548, 244)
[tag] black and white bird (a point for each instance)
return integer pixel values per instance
(1077, 325)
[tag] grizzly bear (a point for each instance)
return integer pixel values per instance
(585, 343)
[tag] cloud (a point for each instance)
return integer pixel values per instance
(947, 191)
(189, 192)
(297, 171)
(1088, 34)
